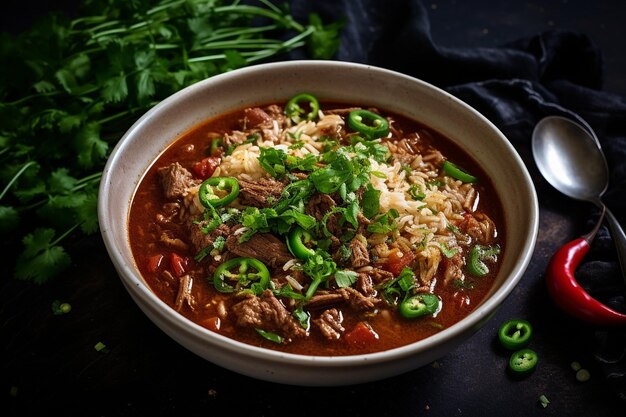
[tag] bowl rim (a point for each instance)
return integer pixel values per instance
(135, 284)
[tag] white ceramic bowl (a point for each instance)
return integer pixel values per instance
(328, 80)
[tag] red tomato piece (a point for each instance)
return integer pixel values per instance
(397, 260)
(154, 262)
(213, 323)
(178, 264)
(362, 334)
(205, 168)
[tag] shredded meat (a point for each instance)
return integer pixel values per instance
(319, 205)
(323, 299)
(201, 240)
(184, 293)
(365, 285)
(176, 180)
(173, 242)
(268, 313)
(263, 192)
(348, 295)
(329, 323)
(359, 256)
(256, 117)
(265, 247)
(480, 227)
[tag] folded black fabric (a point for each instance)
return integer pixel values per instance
(514, 86)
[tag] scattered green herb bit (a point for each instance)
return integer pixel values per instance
(543, 400)
(453, 228)
(447, 252)
(272, 337)
(303, 317)
(370, 202)
(385, 223)
(416, 193)
(583, 375)
(345, 278)
(101, 347)
(73, 87)
(318, 267)
(575, 366)
(59, 308)
(464, 283)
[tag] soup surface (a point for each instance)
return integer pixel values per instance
(317, 229)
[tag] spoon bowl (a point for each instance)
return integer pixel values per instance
(570, 159)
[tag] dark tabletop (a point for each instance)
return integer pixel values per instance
(49, 364)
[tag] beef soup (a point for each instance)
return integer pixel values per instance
(317, 229)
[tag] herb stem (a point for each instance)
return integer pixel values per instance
(64, 235)
(16, 176)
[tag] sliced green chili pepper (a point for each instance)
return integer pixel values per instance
(296, 242)
(295, 111)
(478, 254)
(419, 305)
(515, 334)
(209, 199)
(523, 361)
(216, 143)
(369, 124)
(237, 272)
(457, 172)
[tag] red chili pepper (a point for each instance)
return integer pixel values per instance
(569, 295)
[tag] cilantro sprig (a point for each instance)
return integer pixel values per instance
(70, 88)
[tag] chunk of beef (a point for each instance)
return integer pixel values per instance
(263, 192)
(379, 276)
(200, 239)
(319, 205)
(358, 252)
(329, 323)
(268, 313)
(324, 299)
(265, 247)
(256, 117)
(365, 285)
(356, 300)
(349, 295)
(176, 180)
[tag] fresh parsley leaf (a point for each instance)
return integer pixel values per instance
(345, 278)
(41, 258)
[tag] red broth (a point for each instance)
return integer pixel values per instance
(167, 264)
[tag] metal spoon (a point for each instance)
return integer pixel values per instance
(570, 158)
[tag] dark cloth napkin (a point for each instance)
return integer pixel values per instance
(514, 86)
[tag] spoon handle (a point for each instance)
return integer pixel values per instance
(620, 240)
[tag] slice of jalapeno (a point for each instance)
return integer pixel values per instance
(296, 107)
(207, 195)
(457, 172)
(515, 334)
(523, 361)
(419, 305)
(369, 124)
(475, 264)
(239, 274)
(296, 242)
